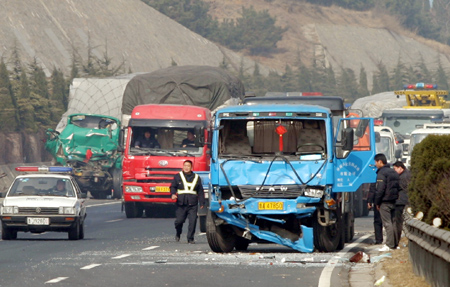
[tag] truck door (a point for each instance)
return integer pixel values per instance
(354, 164)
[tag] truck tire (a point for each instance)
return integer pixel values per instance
(8, 233)
(221, 239)
(117, 183)
(241, 244)
(74, 232)
(327, 238)
(349, 227)
(132, 210)
(202, 223)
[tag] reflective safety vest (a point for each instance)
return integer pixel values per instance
(188, 186)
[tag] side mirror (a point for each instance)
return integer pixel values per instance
(377, 137)
(347, 138)
(83, 195)
(398, 153)
(400, 141)
(120, 148)
(1, 194)
(199, 136)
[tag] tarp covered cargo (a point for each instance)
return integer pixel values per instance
(373, 106)
(204, 86)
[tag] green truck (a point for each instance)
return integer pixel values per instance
(90, 145)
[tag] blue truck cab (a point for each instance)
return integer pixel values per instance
(282, 173)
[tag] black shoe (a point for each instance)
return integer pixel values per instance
(191, 241)
(177, 238)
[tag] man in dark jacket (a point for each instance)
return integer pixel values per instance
(402, 201)
(377, 223)
(186, 188)
(387, 189)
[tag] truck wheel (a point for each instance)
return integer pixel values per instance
(130, 209)
(327, 238)
(133, 210)
(74, 232)
(117, 183)
(151, 211)
(221, 238)
(202, 223)
(8, 233)
(349, 227)
(242, 244)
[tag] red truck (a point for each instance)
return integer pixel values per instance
(159, 139)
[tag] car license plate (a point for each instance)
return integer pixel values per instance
(270, 205)
(38, 221)
(162, 189)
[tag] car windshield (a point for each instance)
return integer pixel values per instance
(164, 142)
(405, 125)
(42, 186)
(415, 139)
(384, 147)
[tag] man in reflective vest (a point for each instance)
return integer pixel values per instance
(186, 188)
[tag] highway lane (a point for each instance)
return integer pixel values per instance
(118, 251)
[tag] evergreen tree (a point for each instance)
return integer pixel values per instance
(59, 95)
(363, 90)
(8, 108)
(398, 78)
(330, 84)
(38, 80)
(382, 76)
(26, 109)
(347, 85)
(422, 72)
(376, 88)
(303, 78)
(441, 77)
(288, 80)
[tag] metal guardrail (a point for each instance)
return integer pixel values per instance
(429, 251)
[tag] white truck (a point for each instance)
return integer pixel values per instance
(419, 134)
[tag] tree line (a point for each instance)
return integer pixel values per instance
(256, 31)
(30, 100)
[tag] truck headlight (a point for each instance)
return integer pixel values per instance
(133, 188)
(67, 210)
(314, 192)
(10, 209)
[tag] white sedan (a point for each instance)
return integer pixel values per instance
(43, 202)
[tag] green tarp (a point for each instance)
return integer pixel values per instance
(204, 86)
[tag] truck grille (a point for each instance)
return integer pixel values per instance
(39, 210)
(161, 175)
(276, 191)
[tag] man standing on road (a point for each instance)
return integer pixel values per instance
(387, 188)
(186, 188)
(377, 223)
(402, 201)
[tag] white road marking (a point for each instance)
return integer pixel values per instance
(56, 280)
(100, 204)
(90, 266)
(121, 256)
(325, 276)
(114, 220)
(150, 248)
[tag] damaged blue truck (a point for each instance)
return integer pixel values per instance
(283, 172)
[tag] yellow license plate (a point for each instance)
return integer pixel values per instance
(162, 189)
(270, 205)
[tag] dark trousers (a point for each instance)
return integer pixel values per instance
(189, 212)
(398, 221)
(378, 226)
(387, 212)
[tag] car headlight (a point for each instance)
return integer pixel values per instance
(313, 192)
(133, 188)
(67, 210)
(10, 209)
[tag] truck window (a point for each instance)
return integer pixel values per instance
(262, 137)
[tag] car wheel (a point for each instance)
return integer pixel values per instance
(74, 232)
(8, 233)
(81, 235)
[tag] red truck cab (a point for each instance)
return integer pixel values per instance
(157, 144)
